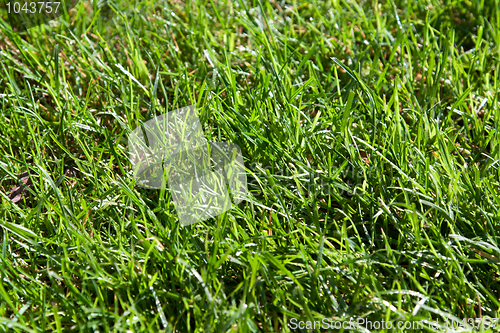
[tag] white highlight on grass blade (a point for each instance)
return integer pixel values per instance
(171, 149)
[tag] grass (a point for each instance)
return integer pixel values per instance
(369, 131)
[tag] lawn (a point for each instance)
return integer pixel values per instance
(369, 136)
